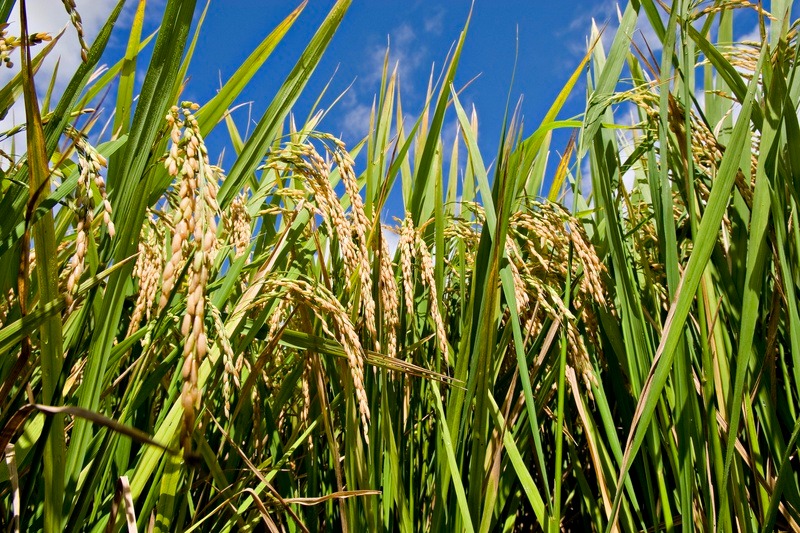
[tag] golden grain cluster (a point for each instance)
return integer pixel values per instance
(608, 343)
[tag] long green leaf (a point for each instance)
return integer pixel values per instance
(673, 327)
(268, 127)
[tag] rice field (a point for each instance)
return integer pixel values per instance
(600, 334)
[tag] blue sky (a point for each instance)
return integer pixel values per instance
(551, 37)
(420, 34)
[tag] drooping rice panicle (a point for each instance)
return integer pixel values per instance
(389, 299)
(360, 226)
(427, 275)
(195, 239)
(237, 225)
(148, 269)
(599, 308)
(90, 163)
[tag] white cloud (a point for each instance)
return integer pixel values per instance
(582, 24)
(392, 240)
(405, 52)
(355, 124)
(606, 16)
(406, 56)
(433, 22)
(753, 35)
(53, 19)
(67, 51)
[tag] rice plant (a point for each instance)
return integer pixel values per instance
(606, 342)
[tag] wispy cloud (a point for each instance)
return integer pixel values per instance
(355, 122)
(392, 240)
(405, 54)
(753, 35)
(434, 21)
(606, 17)
(52, 20)
(577, 31)
(66, 53)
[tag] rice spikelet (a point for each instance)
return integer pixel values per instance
(326, 306)
(406, 245)
(9, 43)
(389, 300)
(545, 235)
(305, 160)
(77, 23)
(229, 374)
(6, 303)
(426, 271)
(195, 218)
(90, 162)
(360, 227)
(148, 268)
(237, 225)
